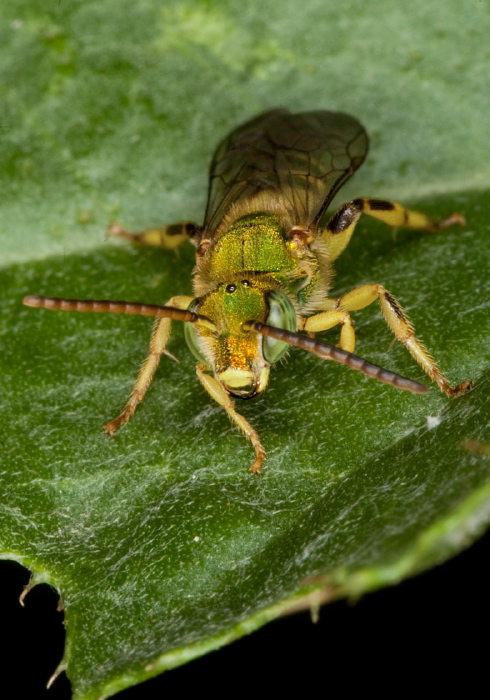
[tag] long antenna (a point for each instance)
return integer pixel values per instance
(117, 307)
(338, 355)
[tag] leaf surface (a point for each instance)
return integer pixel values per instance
(160, 542)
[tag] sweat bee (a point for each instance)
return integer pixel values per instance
(264, 264)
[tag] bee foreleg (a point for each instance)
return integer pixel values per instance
(220, 395)
(401, 326)
(158, 343)
(328, 319)
(169, 236)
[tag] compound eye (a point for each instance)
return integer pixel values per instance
(191, 336)
(281, 315)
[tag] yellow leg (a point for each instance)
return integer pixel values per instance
(340, 228)
(398, 322)
(216, 390)
(328, 319)
(158, 342)
(165, 237)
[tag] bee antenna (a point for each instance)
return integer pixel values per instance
(315, 347)
(117, 307)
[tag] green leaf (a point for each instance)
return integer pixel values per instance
(160, 542)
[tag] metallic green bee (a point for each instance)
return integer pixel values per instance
(264, 264)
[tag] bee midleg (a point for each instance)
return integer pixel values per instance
(158, 343)
(402, 328)
(216, 390)
(340, 228)
(169, 236)
(328, 319)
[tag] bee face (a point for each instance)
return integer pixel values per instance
(239, 359)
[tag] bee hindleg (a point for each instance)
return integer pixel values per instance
(169, 236)
(395, 215)
(401, 326)
(216, 390)
(340, 228)
(158, 343)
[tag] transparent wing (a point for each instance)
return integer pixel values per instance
(299, 159)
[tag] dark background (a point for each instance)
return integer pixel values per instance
(426, 635)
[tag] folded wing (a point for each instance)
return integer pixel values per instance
(300, 160)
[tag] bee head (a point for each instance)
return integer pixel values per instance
(240, 359)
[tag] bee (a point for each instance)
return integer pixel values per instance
(264, 258)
